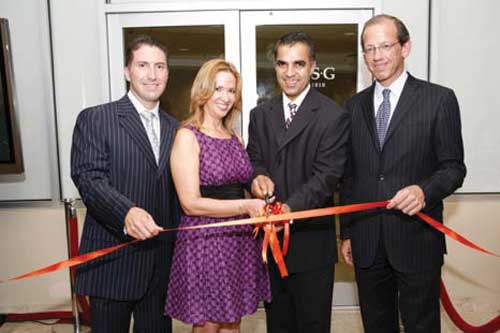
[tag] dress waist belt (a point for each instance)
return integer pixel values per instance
(229, 191)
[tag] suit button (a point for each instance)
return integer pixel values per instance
(380, 178)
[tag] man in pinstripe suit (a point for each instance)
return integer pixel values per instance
(405, 147)
(119, 162)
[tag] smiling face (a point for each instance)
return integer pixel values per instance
(147, 73)
(223, 97)
(294, 68)
(385, 65)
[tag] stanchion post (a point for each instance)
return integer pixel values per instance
(71, 227)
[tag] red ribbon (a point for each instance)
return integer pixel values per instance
(453, 234)
(271, 237)
(269, 222)
(71, 262)
(73, 250)
(262, 220)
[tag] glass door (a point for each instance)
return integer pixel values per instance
(339, 75)
(191, 39)
(336, 33)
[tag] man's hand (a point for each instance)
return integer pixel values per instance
(262, 186)
(140, 225)
(284, 209)
(346, 251)
(410, 200)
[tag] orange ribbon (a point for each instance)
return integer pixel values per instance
(262, 220)
(271, 237)
(453, 234)
(71, 262)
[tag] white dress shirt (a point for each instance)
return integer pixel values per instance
(298, 101)
(155, 119)
(396, 89)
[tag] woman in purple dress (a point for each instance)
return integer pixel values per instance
(217, 275)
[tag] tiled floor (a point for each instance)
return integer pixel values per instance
(343, 320)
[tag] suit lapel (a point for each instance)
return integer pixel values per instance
(305, 114)
(277, 118)
(369, 115)
(129, 119)
(166, 135)
(405, 104)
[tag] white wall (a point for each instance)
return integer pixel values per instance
(464, 55)
(79, 70)
(30, 48)
(471, 275)
(33, 234)
(415, 15)
(31, 238)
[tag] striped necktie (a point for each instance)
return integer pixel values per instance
(382, 117)
(293, 112)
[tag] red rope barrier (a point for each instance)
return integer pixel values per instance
(491, 326)
(74, 250)
(82, 303)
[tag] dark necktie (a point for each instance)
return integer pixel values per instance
(293, 112)
(382, 117)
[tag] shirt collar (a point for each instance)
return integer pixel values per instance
(396, 87)
(141, 108)
(298, 100)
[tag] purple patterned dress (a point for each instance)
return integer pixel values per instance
(217, 274)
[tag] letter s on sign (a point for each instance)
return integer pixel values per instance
(316, 74)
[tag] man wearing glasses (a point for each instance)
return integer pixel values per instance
(405, 147)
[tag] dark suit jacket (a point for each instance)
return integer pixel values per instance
(114, 168)
(305, 163)
(423, 146)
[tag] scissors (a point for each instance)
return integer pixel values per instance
(267, 199)
(267, 207)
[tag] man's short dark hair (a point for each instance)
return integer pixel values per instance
(293, 38)
(139, 41)
(403, 34)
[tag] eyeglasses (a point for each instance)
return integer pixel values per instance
(384, 48)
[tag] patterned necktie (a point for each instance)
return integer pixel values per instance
(382, 117)
(293, 112)
(149, 124)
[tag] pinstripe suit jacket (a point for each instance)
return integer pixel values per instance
(305, 163)
(114, 168)
(423, 146)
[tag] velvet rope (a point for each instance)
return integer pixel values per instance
(491, 326)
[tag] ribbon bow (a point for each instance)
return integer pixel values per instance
(271, 236)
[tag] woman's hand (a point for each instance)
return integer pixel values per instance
(253, 207)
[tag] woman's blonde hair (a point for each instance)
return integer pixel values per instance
(204, 87)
